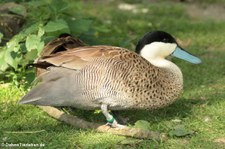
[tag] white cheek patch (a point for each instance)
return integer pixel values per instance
(157, 50)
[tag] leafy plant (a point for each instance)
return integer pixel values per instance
(180, 131)
(1, 36)
(45, 21)
(142, 124)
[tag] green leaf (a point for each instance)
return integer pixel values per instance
(12, 58)
(1, 36)
(33, 54)
(41, 31)
(80, 26)
(97, 111)
(34, 42)
(37, 4)
(142, 124)
(59, 6)
(29, 77)
(31, 29)
(3, 64)
(31, 42)
(13, 45)
(57, 25)
(19, 9)
(180, 131)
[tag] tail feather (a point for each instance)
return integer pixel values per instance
(47, 94)
(55, 89)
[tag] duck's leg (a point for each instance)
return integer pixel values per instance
(120, 119)
(110, 119)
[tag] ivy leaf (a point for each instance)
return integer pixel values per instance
(80, 26)
(142, 124)
(180, 131)
(57, 25)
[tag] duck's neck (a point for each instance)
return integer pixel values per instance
(155, 53)
(168, 66)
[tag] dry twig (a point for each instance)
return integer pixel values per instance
(80, 123)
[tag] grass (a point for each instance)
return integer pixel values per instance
(200, 109)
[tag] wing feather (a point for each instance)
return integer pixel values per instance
(77, 58)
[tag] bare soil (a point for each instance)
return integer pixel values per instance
(206, 12)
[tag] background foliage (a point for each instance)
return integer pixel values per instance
(45, 20)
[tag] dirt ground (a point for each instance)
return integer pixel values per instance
(213, 12)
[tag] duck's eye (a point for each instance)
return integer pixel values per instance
(165, 40)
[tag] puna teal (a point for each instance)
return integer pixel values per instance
(112, 78)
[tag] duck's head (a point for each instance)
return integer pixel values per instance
(157, 45)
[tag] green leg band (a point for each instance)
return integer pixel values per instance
(111, 120)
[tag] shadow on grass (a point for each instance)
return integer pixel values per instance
(181, 108)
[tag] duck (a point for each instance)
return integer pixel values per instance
(112, 78)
